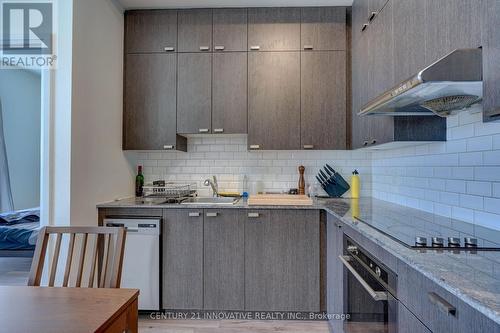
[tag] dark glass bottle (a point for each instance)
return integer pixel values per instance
(139, 182)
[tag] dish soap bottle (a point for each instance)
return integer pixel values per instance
(139, 182)
(355, 184)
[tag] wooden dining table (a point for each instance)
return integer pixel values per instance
(76, 310)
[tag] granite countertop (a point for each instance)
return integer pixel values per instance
(474, 278)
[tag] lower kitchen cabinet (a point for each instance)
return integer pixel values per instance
(182, 259)
(334, 272)
(224, 262)
(408, 323)
(282, 260)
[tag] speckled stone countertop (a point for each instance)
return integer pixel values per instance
(474, 278)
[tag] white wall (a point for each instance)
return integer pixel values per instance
(99, 168)
(459, 178)
(227, 158)
(20, 96)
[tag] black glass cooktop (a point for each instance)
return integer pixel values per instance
(424, 230)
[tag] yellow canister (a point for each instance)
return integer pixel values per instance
(355, 184)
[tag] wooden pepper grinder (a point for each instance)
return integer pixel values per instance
(302, 182)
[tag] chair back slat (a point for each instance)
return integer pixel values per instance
(96, 255)
(83, 249)
(107, 253)
(69, 258)
(93, 262)
(55, 259)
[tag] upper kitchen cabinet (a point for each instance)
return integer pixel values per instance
(323, 100)
(194, 86)
(409, 32)
(323, 28)
(149, 31)
(274, 29)
(149, 112)
(450, 25)
(195, 30)
(229, 92)
(491, 60)
(274, 100)
(230, 29)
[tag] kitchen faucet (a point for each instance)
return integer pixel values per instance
(213, 184)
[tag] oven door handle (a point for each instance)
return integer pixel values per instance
(376, 295)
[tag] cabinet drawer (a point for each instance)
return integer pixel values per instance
(437, 308)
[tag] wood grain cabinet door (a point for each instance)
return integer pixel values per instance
(229, 92)
(450, 25)
(149, 31)
(274, 29)
(195, 30)
(194, 87)
(182, 259)
(224, 263)
(360, 130)
(323, 100)
(323, 28)
(335, 270)
(274, 100)
(149, 102)
(230, 29)
(282, 260)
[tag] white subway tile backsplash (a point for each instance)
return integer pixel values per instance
(459, 178)
(466, 187)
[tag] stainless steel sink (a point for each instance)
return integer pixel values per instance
(210, 201)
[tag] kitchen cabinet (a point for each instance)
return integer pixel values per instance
(323, 28)
(274, 100)
(182, 236)
(195, 30)
(491, 60)
(282, 260)
(323, 100)
(274, 29)
(335, 271)
(409, 32)
(149, 111)
(194, 86)
(450, 25)
(224, 262)
(229, 92)
(230, 29)
(150, 31)
(408, 323)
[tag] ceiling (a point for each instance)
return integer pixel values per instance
(131, 4)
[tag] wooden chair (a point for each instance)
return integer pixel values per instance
(106, 257)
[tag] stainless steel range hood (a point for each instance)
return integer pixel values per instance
(451, 84)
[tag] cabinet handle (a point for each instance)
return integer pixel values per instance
(212, 214)
(254, 147)
(372, 16)
(365, 143)
(219, 48)
(308, 47)
(194, 214)
(168, 147)
(308, 146)
(203, 130)
(442, 304)
(253, 215)
(169, 49)
(255, 48)
(218, 130)
(374, 141)
(363, 28)
(204, 48)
